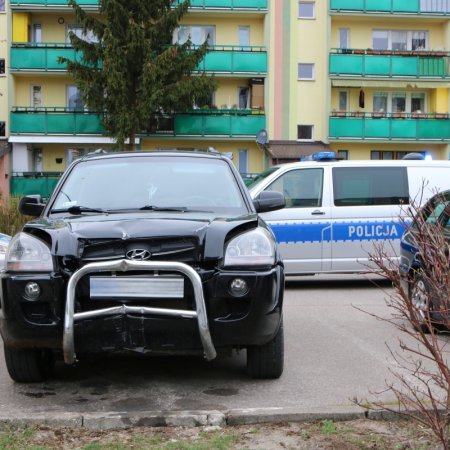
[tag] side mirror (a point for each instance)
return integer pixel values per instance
(267, 201)
(31, 205)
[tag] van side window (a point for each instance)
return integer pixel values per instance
(302, 188)
(361, 186)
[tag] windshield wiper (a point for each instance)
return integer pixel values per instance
(164, 208)
(80, 210)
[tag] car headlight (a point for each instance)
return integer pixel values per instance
(253, 248)
(28, 254)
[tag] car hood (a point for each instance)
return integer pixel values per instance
(69, 235)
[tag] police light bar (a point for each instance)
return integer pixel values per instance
(320, 156)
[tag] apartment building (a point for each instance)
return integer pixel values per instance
(48, 126)
(4, 154)
(389, 78)
(368, 79)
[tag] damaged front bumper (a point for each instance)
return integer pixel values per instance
(70, 316)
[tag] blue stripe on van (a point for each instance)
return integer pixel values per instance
(293, 232)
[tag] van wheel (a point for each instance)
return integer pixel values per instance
(420, 299)
(28, 365)
(266, 361)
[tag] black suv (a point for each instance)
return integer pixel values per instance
(148, 252)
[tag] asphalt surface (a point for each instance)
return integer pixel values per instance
(333, 353)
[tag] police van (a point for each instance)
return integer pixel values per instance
(336, 210)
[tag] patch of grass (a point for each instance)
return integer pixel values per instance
(11, 221)
(329, 427)
(18, 439)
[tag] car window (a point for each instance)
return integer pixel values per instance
(363, 186)
(302, 188)
(119, 183)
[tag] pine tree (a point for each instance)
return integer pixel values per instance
(131, 71)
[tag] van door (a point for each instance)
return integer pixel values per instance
(303, 228)
(368, 203)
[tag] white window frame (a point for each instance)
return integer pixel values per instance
(313, 16)
(409, 94)
(246, 30)
(409, 37)
(32, 95)
(347, 37)
(313, 71)
(347, 97)
(312, 133)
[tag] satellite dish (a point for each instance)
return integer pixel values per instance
(261, 137)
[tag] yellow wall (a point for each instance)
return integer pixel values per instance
(309, 98)
(3, 78)
(53, 90)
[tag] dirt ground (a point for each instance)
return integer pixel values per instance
(350, 435)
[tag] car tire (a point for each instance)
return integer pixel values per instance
(267, 361)
(420, 299)
(28, 365)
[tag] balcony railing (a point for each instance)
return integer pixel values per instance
(55, 121)
(230, 59)
(389, 63)
(427, 7)
(202, 4)
(28, 183)
(201, 123)
(390, 126)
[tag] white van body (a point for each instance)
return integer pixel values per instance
(336, 210)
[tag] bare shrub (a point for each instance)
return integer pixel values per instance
(420, 311)
(11, 220)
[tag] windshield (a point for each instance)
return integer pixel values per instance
(150, 184)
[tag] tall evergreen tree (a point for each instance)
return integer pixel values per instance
(131, 71)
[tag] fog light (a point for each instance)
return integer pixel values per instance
(238, 287)
(32, 290)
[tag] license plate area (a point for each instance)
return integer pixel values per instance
(141, 287)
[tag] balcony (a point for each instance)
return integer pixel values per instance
(240, 5)
(199, 123)
(28, 183)
(55, 121)
(389, 127)
(433, 7)
(389, 63)
(227, 59)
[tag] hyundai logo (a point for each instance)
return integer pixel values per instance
(138, 254)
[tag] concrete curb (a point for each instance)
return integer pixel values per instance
(248, 416)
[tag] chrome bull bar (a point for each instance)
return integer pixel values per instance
(123, 265)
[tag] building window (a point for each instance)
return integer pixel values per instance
(388, 155)
(244, 97)
(305, 132)
(36, 96)
(198, 34)
(343, 101)
(2, 5)
(344, 37)
(399, 40)
(243, 161)
(305, 71)
(399, 102)
(74, 99)
(306, 10)
(2, 66)
(36, 33)
(342, 154)
(2, 129)
(244, 36)
(78, 31)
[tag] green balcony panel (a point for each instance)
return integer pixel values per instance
(233, 4)
(376, 128)
(234, 61)
(346, 127)
(219, 124)
(434, 67)
(37, 58)
(346, 64)
(52, 2)
(404, 66)
(56, 123)
(44, 186)
(433, 129)
(402, 6)
(377, 65)
(390, 128)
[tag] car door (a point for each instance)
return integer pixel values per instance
(302, 228)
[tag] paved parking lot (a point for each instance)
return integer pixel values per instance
(333, 352)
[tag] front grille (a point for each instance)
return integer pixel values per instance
(185, 249)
